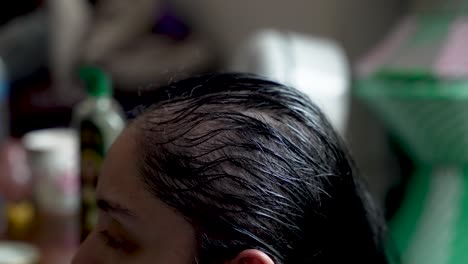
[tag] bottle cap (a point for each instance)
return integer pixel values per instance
(98, 83)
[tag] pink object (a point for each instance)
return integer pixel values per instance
(453, 59)
(15, 177)
(377, 57)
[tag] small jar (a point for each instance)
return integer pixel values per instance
(53, 160)
(18, 253)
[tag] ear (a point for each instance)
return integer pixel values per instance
(251, 256)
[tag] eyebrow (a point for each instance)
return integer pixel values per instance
(115, 208)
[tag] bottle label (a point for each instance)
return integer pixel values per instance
(56, 189)
(92, 154)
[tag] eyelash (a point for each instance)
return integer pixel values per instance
(111, 241)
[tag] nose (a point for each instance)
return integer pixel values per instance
(86, 253)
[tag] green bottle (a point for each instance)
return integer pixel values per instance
(99, 120)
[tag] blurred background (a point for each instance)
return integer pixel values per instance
(389, 74)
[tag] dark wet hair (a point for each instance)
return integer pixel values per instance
(253, 164)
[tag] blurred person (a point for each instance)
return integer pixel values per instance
(47, 37)
(231, 168)
(135, 41)
(143, 41)
(69, 22)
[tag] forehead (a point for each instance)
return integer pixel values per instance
(118, 177)
(119, 182)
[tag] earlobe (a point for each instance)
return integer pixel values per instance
(252, 256)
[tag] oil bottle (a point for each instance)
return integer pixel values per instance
(99, 119)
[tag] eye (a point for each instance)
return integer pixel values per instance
(117, 243)
(111, 241)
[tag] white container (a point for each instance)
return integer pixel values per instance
(53, 159)
(315, 66)
(18, 253)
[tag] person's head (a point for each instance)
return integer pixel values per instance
(230, 168)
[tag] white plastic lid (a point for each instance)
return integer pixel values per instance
(18, 253)
(58, 144)
(50, 139)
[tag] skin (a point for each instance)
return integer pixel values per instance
(136, 227)
(151, 232)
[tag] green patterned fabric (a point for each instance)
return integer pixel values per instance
(428, 116)
(416, 81)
